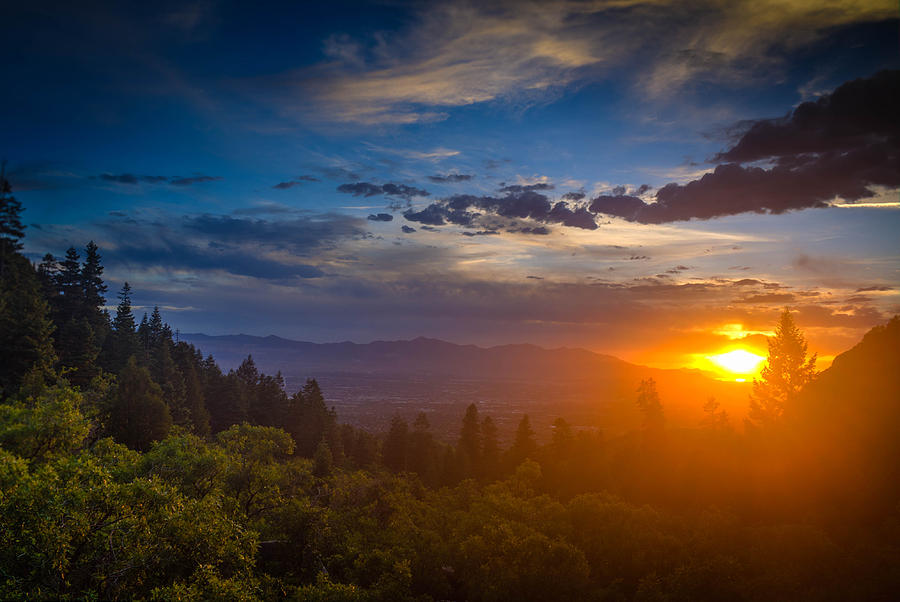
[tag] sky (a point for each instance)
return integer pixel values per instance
(651, 179)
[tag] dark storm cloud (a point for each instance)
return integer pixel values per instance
(367, 189)
(466, 209)
(839, 146)
(133, 179)
(450, 178)
(380, 217)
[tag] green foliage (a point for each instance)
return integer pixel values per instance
(26, 346)
(46, 427)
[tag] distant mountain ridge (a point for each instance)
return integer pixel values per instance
(422, 356)
(369, 382)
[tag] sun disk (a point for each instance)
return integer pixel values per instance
(738, 361)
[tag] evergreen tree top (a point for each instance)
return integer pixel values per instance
(12, 230)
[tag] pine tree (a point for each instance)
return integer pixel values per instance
(524, 445)
(48, 271)
(122, 343)
(139, 415)
(787, 371)
(93, 287)
(309, 420)
(490, 450)
(648, 403)
(71, 293)
(26, 343)
(469, 447)
(12, 230)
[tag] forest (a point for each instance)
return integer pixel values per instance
(132, 467)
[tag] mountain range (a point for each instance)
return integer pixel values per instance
(368, 383)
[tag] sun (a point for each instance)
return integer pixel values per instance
(739, 362)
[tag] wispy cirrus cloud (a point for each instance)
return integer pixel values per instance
(459, 53)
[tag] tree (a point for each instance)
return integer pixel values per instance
(715, 419)
(787, 371)
(123, 341)
(524, 445)
(68, 283)
(26, 344)
(469, 447)
(92, 284)
(651, 408)
(310, 420)
(139, 415)
(490, 450)
(12, 230)
(323, 462)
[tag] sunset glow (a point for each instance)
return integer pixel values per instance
(738, 362)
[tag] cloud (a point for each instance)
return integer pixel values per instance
(839, 146)
(450, 178)
(778, 298)
(367, 189)
(133, 180)
(457, 53)
(190, 181)
(266, 208)
(503, 212)
(295, 182)
(573, 196)
(176, 255)
(516, 188)
(407, 229)
(267, 249)
(381, 217)
(858, 114)
(298, 236)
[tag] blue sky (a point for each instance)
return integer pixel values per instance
(514, 159)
